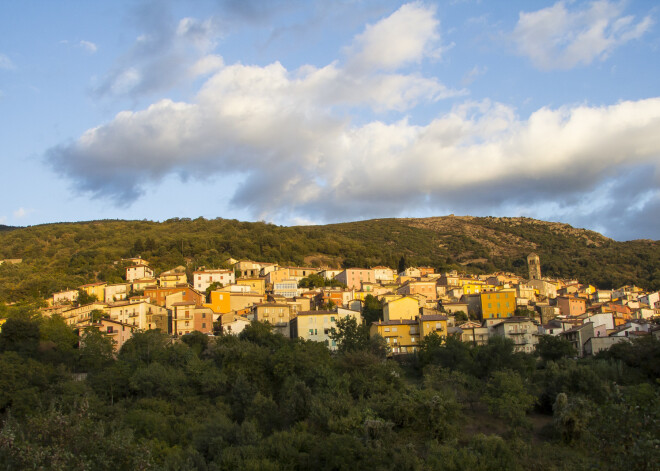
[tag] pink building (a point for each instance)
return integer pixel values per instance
(353, 277)
(569, 306)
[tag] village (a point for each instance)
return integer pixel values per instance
(415, 303)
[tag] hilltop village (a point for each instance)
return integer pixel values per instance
(402, 307)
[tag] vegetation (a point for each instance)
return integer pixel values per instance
(261, 401)
(67, 255)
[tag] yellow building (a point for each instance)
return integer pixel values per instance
(473, 286)
(220, 302)
(498, 304)
(257, 285)
(318, 325)
(404, 335)
(95, 289)
(405, 307)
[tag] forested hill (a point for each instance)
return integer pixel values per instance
(65, 255)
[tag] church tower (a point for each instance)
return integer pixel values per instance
(534, 265)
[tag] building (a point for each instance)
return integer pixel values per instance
(425, 288)
(202, 279)
(353, 277)
(286, 288)
(187, 317)
(404, 307)
(172, 278)
(571, 306)
(383, 274)
(138, 272)
(498, 304)
(534, 265)
(255, 285)
(117, 332)
(318, 325)
(521, 330)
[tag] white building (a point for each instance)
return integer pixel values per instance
(204, 279)
(138, 272)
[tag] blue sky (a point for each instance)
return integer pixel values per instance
(300, 112)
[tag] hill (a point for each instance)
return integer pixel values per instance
(65, 255)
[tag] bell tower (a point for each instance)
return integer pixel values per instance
(534, 265)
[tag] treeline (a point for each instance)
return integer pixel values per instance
(66, 255)
(263, 402)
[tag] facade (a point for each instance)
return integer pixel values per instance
(119, 292)
(204, 278)
(95, 289)
(286, 288)
(173, 278)
(65, 297)
(405, 307)
(498, 304)
(383, 274)
(158, 295)
(119, 333)
(353, 277)
(256, 285)
(187, 317)
(138, 272)
(523, 331)
(317, 325)
(425, 288)
(571, 306)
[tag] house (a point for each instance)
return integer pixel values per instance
(172, 278)
(353, 277)
(383, 274)
(95, 289)
(523, 331)
(286, 288)
(138, 272)
(141, 315)
(571, 306)
(404, 307)
(82, 314)
(425, 288)
(498, 305)
(158, 295)
(579, 335)
(232, 324)
(473, 333)
(432, 323)
(118, 332)
(143, 283)
(188, 317)
(219, 302)
(202, 279)
(318, 325)
(273, 313)
(256, 285)
(65, 297)
(546, 288)
(116, 292)
(402, 335)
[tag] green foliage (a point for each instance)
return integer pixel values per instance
(372, 310)
(20, 335)
(508, 398)
(554, 348)
(351, 337)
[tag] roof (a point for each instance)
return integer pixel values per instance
(314, 313)
(433, 317)
(397, 322)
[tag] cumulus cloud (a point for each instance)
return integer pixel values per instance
(559, 38)
(6, 63)
(168, 54)
(286, 135)
(407, 36)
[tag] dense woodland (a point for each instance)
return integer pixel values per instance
(66, 255)
(263, 402)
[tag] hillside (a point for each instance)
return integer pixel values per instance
(65, 255)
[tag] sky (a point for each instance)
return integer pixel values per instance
(311, 112)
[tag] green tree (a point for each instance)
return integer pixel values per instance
(84, 298)
(554, 348)
(96, 350)
(508, 398)
(402, 264)
(20, 335)
(349, 336)
(372, 310)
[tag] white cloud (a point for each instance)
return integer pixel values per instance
(559, 38)
(88, 46)
(6, 63)
(168, 54)
(407, 36)
(287, 135)
(22, 213)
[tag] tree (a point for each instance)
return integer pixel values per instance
(402, 264)
(85, 298)
(349, 336)
(20, 335)
(553, 348)
(507, 397)
(460, 316)
(373, 310)
(96, 350)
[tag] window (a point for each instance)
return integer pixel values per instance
(387, 329)
(394, 329)
(311, 331)
(110, 329)
(203, 325)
